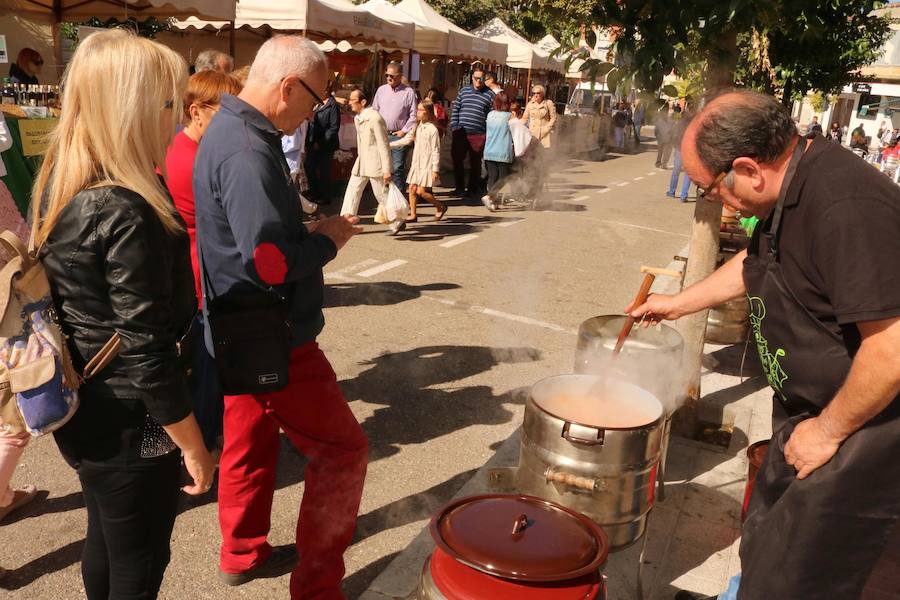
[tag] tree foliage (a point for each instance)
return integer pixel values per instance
(788, 46)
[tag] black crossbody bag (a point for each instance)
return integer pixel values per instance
(251, 337)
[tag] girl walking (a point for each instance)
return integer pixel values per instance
(424, 169)
(498, 150)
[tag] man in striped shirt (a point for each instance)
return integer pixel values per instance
(467, 121)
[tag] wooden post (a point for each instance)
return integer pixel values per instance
(231, 41)
(57, 38)
(528, 85)
(701, 263)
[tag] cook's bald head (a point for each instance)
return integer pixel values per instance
(739, 123)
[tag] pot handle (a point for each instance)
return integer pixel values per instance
(584, 483)
(597, 441)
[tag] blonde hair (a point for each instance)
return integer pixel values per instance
(114, 128)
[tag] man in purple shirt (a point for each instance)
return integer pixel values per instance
(396, 103)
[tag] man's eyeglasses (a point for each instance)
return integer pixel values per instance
(311, 91)
(390, 75)
(702, 193)
(477, 78)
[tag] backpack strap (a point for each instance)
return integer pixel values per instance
(15, 247)
(108, 352)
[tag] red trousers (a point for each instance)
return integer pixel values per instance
(314, 415)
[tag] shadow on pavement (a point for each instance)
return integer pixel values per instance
(42, 505)
(382, 293)
(354, 585)
(49, 563)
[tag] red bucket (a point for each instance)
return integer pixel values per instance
(757, 454)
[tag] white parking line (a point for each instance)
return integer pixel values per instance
(605, 190)
(637, 179)
(652, 172)
(382, 268)
(623, 184)
(502, 315)
(460, 240)
(579, 198)
(509, 222)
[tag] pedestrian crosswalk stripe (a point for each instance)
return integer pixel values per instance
(604, 190)
(579, 198)
(382, 268)
(460, 240)
(369, 262)
(623, 184)
(652, 172)
(638, 178)
(509, 222)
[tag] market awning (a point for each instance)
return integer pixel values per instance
(522, 54)
(460, 43)
(427, 39)
(81, 10)
(335, 19)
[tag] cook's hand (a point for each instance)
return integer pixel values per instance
(201, 467)
(339, 229)
(658, 307)
(811, 445)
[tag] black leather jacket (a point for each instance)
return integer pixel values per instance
(112, 266)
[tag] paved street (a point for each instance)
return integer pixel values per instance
(434, 336)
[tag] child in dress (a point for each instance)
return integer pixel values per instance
(423, 170)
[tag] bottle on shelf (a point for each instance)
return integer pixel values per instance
(8, 93)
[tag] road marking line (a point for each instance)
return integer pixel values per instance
(652, 172)
(382, 268)
(623, 184)
(642, 227)
(502, 315)
(509, 223)
(340, 273)
(637, 178)
(605, 190)
(579, 198)
(460, 240)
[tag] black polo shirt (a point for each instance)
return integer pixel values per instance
(840, 240)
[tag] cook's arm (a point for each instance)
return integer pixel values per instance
(872, 384)
(726, 283)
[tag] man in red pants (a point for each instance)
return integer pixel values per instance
(251, 237)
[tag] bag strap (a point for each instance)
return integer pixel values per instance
(105, 356)
(15, 247)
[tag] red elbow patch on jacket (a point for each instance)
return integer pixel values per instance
(270, 263)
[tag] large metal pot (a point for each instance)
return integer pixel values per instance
(606, 472)
(513, 547)
(729, 323)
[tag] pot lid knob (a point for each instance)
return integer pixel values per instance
(520, 524)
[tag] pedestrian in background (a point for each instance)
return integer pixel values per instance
(835, 134)
(490, 80)
(540, 115)
(619, 122)
(213, 60)
(322, 141)
(638, 116)
(373, 159)
(424, 170)
(858, 139)
(251, 241)
(201, 102)
(130, 276)
(663, 132)
(498, 150)
(27, 67)
(815, 126)
(683, 120)
(440, 112)
(294, 148)
(396, 103)
(467, 122)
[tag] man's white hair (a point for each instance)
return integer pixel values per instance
(208, 60)
(283, 56)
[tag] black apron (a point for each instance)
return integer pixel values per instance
(819, 537)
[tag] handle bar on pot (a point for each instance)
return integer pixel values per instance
(584, 483)
(597, 441)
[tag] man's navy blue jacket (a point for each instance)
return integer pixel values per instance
(249, 229)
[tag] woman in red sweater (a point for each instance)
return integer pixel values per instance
(201, 102)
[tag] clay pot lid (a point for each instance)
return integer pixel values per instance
(520, 537)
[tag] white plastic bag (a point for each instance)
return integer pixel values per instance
(396, 206)
(380, 217)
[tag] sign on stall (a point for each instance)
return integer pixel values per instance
(4, 55)
(35, 134)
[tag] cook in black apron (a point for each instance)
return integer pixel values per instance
(818, 537)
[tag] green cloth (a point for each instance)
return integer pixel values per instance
(749, 224)
(20, 169)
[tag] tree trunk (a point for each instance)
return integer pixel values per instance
(787, 92)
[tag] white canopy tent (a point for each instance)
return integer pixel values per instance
(522, 54)
(426, 39)
(460, 43)
(548, 43)
(81, 10)
(333, 19)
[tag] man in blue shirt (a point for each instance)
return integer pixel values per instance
(250, 237)
(468, 123)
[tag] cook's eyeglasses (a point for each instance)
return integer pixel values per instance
(702, 193)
